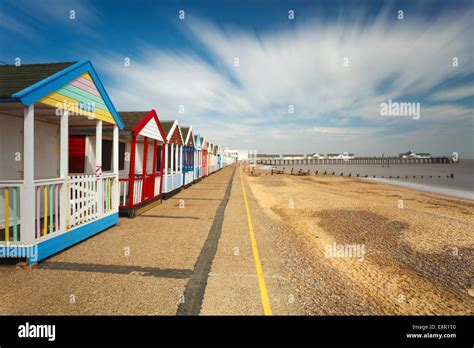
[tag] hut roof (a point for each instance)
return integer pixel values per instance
(16, 78)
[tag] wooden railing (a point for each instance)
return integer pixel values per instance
(124, 191)
(83, 199)
(47, 203)
(109, 182)
(9, 210)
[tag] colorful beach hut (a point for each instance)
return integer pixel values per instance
(141, 153)
(188, 155)
(221, 158)
(173, 171)
(212, 155)
(210, 158)
(197, 157)
(141, 181)
(44, 207)
(204, 159)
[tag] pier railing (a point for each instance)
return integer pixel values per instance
(356, 160)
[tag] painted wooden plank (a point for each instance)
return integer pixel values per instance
(151, 130)
(38, 217)
(15, 212)
(45, 209)
(85, 86)
(86, 82)
(51, 209)
(87, 76)
(72, 210)
(56, 209)
(53, 100)
(123, 185)
(58, 98)
(6, 203)
(156, 135)
(109, 193)
(81, 95)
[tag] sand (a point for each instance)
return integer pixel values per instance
(417, 254)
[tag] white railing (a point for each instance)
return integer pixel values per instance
(123, 193)
(137, 190)
(47, 206)
(10, 211)
(83, 198)
(157, 185)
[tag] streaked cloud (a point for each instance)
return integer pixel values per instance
(302, 66)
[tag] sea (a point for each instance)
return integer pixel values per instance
(425, 177)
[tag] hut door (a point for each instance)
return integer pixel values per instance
(148, 186)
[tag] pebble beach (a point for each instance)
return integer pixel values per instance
(418, 247)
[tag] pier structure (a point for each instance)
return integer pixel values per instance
(277, 160)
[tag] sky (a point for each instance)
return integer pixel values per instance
(249, 75)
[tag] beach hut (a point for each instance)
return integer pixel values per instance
(210, 156)
(218, 157)
(221, 157)
(197, 157)
(173, 171)
(188, 155)
(44, 206)
(204, 159)
(141, 153)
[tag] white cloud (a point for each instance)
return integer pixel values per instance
(454, 94)
(304, 67)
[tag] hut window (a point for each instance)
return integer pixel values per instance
(121, 156)
(106, 155)
(158, 158)
(170, 163)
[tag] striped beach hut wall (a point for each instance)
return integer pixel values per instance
(45, 207)
(173, 171)
(210, 158)
(204, 160)
(188, 155)
(197, 157)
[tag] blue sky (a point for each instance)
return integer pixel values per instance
(282, 63)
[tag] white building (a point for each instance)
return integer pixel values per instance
(318, 156)
(242, 156)
(410, 154)
(344, 156)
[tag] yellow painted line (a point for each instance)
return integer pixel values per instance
(267, 309)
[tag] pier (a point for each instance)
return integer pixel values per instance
(357, 160)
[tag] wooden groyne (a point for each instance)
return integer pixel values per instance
(300, 172)
(357, 160)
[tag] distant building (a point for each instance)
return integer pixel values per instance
(243, 156)
(318, 156)
(332, 156)
(410, 154)
(344, 156)
(293, 157)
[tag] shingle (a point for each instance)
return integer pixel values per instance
(131, 118)
(166, 125)
(16, 78)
